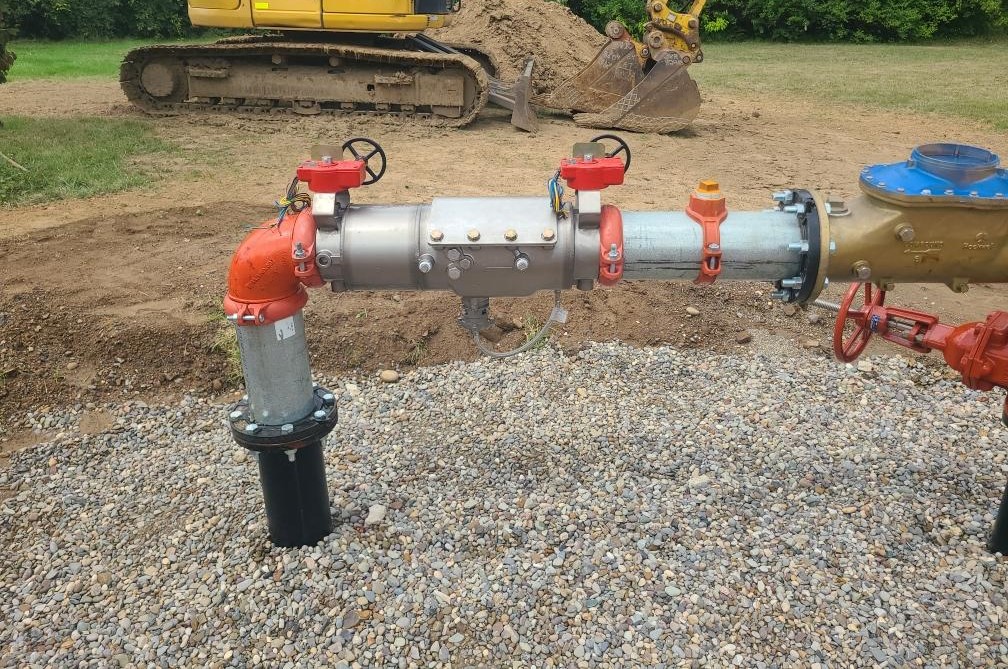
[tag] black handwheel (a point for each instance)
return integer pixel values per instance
(365, 149)
(623, 148)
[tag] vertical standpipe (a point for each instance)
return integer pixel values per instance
(285, 419)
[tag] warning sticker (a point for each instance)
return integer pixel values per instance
(285, 329)
(262, 5)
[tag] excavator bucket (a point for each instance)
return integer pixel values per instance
(614, 91)
(517, 97)
(666, 99)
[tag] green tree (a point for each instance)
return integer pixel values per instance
(6, 56)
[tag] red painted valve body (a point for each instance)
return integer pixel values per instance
(333, 177)
(594, 174)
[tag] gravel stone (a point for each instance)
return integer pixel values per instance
(793, 512)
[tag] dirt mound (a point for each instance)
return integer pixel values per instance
(512, 30)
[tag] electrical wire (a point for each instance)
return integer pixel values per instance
(558, 315)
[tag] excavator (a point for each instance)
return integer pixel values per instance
(346, 56)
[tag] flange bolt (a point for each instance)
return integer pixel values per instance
(426, 264)
(862, 270)
(905, 232)
(521, 263)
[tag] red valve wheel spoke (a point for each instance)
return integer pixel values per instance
(849, 349)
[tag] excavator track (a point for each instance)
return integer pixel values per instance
(272, 75)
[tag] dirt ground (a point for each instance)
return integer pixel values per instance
(119, 296)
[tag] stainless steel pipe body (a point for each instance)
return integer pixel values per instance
(499, 247)
(474, 247)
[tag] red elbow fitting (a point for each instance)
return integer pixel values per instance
(270, 271)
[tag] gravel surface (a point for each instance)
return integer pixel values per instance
(622, 508)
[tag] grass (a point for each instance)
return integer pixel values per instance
(71, 59)
(967, 80)
(78, 157)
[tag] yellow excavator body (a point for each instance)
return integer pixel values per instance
(337, 15)
(354, 56)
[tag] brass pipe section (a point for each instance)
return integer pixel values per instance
(889, 243)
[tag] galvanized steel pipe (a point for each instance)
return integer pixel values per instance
(666, 245)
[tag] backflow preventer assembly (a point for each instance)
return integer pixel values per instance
(939, 217)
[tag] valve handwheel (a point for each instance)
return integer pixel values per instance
(849, 349)
(623, 148)
(362, 148)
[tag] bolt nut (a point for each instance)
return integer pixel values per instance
(473, 235)
(465, 263)
(511, 235)
(319, 415)
(287, 428)
(905, 232)
(251, 428)
(426, 264)
(235, 415)
(549, 234)
(862, 270)
(436, 235)
(329, 398)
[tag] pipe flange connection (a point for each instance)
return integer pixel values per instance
(289, 437)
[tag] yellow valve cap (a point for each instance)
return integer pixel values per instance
(709, 187)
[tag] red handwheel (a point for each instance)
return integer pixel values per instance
(851, 348)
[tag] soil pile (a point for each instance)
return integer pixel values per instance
(512, 30)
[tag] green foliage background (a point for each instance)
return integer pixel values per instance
(6, 57)
(828, 20)
(787, 20)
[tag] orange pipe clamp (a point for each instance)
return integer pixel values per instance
(270, 270)
(610, 246)
(707, 207)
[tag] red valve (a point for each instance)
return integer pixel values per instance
(333, 177)
(978, 351)
(849, 349)
(593, 174)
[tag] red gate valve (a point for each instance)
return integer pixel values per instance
(978, 351)
(707, 207)
(332, 176)
(593, 173)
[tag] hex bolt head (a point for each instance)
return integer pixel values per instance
(466, 263)
(319, 415)
(473, 235)
(862, 270)
(521, 263)
(436, 235)
(329, 398)
(426, 264)
(454, 255)
(454, 273)
(511, 235)
(235, 415)
(251, 428)
(287, 428)
(905, 232)
(549, 234)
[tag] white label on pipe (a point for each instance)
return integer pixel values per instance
(285, 329)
